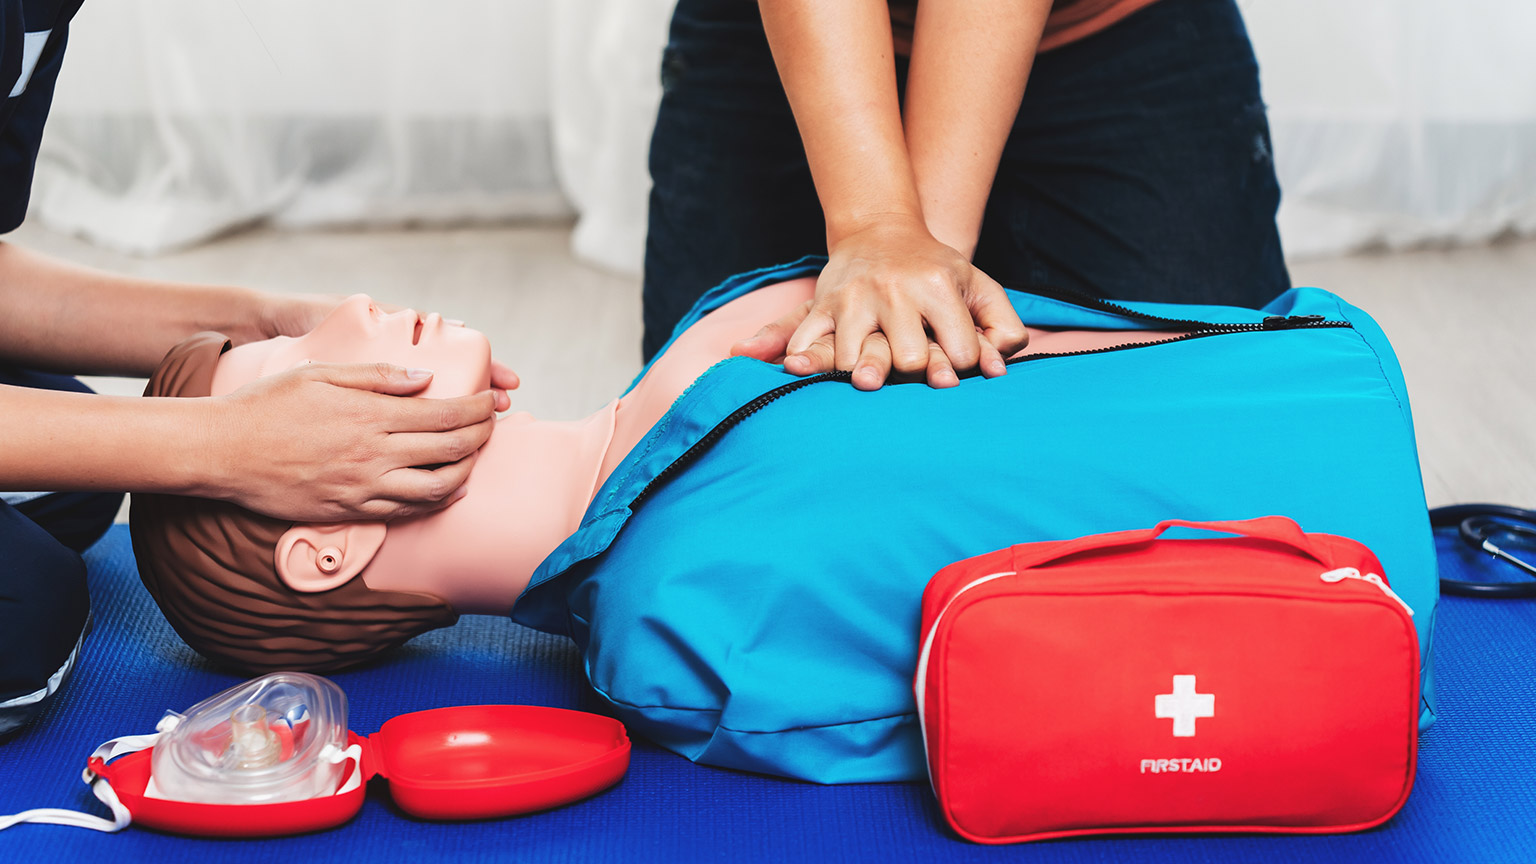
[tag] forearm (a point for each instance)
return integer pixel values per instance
(75, 441)
(837, 65)
(61, 317)
(970, 62)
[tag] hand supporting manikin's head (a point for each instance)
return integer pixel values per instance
(258, 593)
(320, 557)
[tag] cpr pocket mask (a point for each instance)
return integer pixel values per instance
(273, 756)
(1123, 683)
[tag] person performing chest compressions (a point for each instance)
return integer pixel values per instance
(85, 450)
(899, 138)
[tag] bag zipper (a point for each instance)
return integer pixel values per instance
(1198, 329)
(1342, 573)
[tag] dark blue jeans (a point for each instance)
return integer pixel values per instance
(1139, 166)
(44, 607)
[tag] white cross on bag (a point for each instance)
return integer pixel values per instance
(1183, 705)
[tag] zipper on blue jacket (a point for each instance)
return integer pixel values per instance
(731, 420)
(1195, 330)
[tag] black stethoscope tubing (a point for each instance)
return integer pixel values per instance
(1472, 522)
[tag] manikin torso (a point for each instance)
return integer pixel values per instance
(533, 478)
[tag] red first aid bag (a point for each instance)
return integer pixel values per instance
(1123, 683)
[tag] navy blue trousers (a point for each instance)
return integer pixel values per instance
(44, 607)
(1139, 166)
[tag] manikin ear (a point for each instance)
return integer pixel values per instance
(314, 558)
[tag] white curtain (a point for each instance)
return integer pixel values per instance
(1399, 122)
(1396, 122)
(176, 120)
(607, 83)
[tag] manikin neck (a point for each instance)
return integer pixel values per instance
(530, 486)
(534, 478)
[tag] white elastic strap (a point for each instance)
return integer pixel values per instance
(110, 750)
(74, 818)
(99, 786)
(353, 752)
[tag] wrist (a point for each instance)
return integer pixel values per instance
(962, 239)
(268, 313)
(204, 472)
(242, 314)
(896, 220)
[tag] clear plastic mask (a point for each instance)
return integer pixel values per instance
(274, 738)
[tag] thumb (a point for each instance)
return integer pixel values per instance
(384, 378)
(771, 342)
(994, 314)
(502, 376)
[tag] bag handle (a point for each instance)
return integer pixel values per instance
(1276, 528)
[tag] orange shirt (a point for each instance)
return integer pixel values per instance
(1069, 20)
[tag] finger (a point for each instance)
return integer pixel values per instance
(771, 343)
(941, 373)
(417, 449)
(439, 415)
(992, 364)
(386, 509)
(425, 486)
(995, 315)
(909, 343)
(874, 363)
(818, 323)
(502, 376)
(955, 334)
(816, 327)
(849, 336)
(384, 378)
(815, 359)
(502, 380)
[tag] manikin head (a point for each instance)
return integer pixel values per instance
(260, 594)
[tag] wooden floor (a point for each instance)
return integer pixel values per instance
(1460, 320)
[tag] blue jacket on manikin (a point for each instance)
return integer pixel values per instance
(745, 587)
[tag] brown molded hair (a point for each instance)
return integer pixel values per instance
(210, 566)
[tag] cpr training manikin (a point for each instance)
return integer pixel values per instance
(331, 595)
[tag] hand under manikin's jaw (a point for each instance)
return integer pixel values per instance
(531, 482)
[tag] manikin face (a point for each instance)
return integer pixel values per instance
(359, 332)
(319, 557)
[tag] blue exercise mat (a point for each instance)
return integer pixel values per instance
(1474, 801)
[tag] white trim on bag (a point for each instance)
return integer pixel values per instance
(920, 682)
